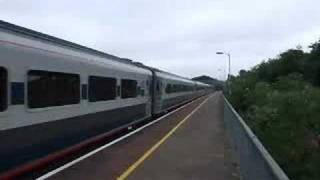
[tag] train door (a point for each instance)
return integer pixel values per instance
(3, 89)
(149, 94)
(156, 94)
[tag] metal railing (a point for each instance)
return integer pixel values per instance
(254, 160)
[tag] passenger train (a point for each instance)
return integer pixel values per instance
(55, 94)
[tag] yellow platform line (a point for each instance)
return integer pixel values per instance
(156, 146)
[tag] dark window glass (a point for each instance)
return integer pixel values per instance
(118, 90)
(176, 88)
(47, 89)
(168, 88)
(139, 90)
(102, 88)
(17, 93)
(84, 90)
(3, 88)
(128, 88)
(158, 86)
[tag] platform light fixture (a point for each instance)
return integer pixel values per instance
(229, 62)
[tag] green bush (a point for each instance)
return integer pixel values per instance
(280, 101)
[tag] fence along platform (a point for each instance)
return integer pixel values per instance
(254, 160)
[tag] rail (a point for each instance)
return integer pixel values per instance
(254, 160)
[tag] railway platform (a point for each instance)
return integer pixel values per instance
(189, 143)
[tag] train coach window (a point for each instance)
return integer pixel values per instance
(102, 88)
(3, 88)
(158, 86)
(168, 89)
(47, 89)
(128, 88)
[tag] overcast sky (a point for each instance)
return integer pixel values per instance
(180, 36)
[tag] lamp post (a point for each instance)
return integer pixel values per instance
(229, 68)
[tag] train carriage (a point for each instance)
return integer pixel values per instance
(202, 88)
(55, 94)
(171, 91)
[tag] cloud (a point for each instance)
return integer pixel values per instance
(179, 36)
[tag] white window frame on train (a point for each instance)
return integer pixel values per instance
(3, 89)
(107, 90)
(74, 97)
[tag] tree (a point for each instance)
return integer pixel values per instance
(280, 101)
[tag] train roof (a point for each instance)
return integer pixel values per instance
(45, 37)
(56, 44)
(162, 73)
(27, 37)
(174, 77)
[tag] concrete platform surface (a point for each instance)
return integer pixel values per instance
(198, 149)
(111, 162)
